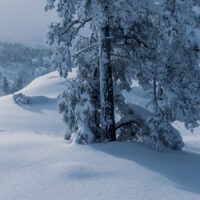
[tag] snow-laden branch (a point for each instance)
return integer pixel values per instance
(139, 41)
(86, 49)
(82, 24)
(128, 120)
(76, 22)
(120, 56)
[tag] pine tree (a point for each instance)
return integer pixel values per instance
(153, 43)
(6, 87)
(173, 61)
(106, 74)
(73, 17)
(80, 101)
(169, 67)
(65, 33)
(18, 84)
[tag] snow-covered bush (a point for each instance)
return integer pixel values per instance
(131, 129)
(21, 99)
(162, 134)
(140, 125)
(75, 104)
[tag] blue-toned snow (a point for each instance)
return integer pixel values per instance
(37, 164)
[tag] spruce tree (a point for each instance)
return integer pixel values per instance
(74, 15)
(152, 42)
(6, 87)
(18, 84)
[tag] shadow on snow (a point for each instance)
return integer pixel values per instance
(183, 168)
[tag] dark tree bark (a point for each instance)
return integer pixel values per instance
(106, 85)
(155, 103)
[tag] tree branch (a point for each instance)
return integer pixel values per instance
(85, 49)
(75, 22)
(126, 123)
(139, 41)
(120, 56)
(110, 38)
(83, 23)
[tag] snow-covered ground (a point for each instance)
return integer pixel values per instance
(37, 164)
(35, 118)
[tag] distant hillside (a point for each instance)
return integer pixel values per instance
(20, 64)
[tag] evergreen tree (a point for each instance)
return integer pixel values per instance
(152, 42)
(73, 17)
(6, 87)
(18, 84)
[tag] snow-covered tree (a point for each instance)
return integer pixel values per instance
(6, 87)
(18, 85)
(153, 42)
(169, 66)
(104, 18)
(77, 109)
(74, 15)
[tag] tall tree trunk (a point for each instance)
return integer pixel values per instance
(155, 103)
(106, 85)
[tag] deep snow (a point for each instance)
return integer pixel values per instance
(37, 164)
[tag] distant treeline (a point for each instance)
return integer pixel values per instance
(20, 64)
(15, 52)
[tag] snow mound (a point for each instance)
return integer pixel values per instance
(36, 163)
(49, 85)
(43, 167)
(39, 117)
(22, 99)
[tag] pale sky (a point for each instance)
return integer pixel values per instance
(24, 21)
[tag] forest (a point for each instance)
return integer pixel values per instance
(20, 64)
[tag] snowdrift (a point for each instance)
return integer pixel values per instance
(41, 116)
(36, 163)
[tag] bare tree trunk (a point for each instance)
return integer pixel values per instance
(106, 85)
(155, 103)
